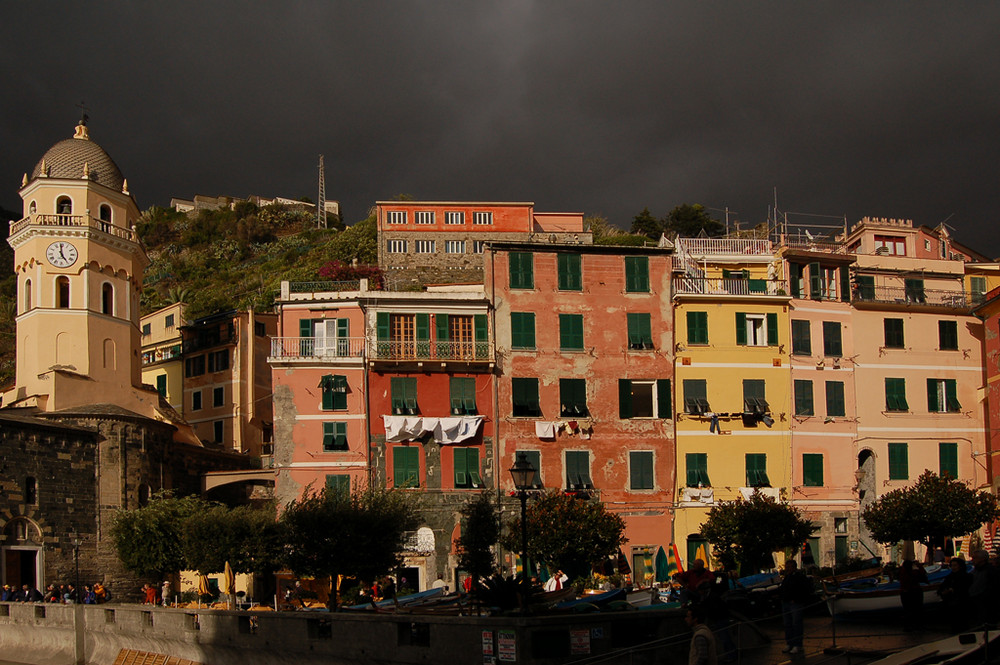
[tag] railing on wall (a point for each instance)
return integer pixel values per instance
(730, 286)
(953, 298)
(469, 351)
(72, 220)
(317, 347)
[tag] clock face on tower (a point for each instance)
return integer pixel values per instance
(61, 254)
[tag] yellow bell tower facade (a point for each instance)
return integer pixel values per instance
(79, 271)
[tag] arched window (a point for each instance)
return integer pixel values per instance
(107, 299)
(105, 212)
(27, 295)
(62, 292)
(143, 494)
(64, 206)
(32, 208)
(30, 491)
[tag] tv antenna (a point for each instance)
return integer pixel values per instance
(321, 202)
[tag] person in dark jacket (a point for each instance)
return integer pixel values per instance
(911, 594)
(796, 590)
(954, 592)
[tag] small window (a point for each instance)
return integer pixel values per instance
(64, 206)
(756, 329)
(260, 329)
(569, 272)
(334, 437)
(895, 395)
(914, 290)
(636, 274)
(942, 396)
(395, 217)
(573, 397)
(338, 482)
(640, 467)
(218, 396)
(219, 427)
(168, 321)
(833, 345)
(478, 246)
(644, 399)
(801, 340)
(28, 304)
(467, 468)
(894, 333)
(334, 396)
(454, 217)
(803, 397)
(218, 361)
(161, 384)
(697, 470)
(196, 400)
(395, 246)
(534, 458)
(62, 292)
(524, 392)
(948, 335)
(146, 329)
(756, 468)
(835, 405)
(423, 217)
(571, 332)
(640, 332)
(948, 460)
(105, 213)
(30, 491)
(522, 274)
(696, 396)
(404, 395)
(194, 366)
(482, 218)
(32, 208)
(899, 465)
(454, 247)
(697, 327)
(463, 395)
(406, 466)
(753, 397)
(578, 470)
(425, 246)
(812, 470)
(107, 299)
(522, 330)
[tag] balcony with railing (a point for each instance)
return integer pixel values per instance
(911, 296)
(316, 348)
(80, 221)
(431, 350)
(697, 247)
(728, 286)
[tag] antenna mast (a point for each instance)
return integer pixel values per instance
(321, 203)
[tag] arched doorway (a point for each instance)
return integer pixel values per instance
(22, 553)
(866, 488)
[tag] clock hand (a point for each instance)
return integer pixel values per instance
(61, 252)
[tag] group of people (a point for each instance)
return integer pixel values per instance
(56, 593)
(153, 596)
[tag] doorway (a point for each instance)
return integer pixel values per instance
(20, 566)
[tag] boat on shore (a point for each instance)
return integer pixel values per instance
(868, 591)
(962, 649)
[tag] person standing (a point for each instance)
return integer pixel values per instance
(795, 590)
(165, 593)
(703, 650)
(984, 589)
(911, 594)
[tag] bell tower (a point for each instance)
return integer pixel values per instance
(79, 268)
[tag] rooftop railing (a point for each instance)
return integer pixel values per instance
(72, 220)
(953, 298)
(697, 247)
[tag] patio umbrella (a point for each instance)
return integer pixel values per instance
(663, 571)
(229, 581)
(623, 567)
(703, 554)
(676, 563)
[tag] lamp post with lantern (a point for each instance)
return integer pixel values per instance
(522, 473)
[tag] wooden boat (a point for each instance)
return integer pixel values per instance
(962, 649)
(872, 594)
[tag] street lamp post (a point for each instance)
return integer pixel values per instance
(76, 563)
(522, 473)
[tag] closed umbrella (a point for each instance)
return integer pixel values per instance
(229, 581)
(663, 572)
(703, 555)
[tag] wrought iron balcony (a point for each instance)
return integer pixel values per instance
(72, 220)
(903, 295)
(462, 351)
(317, 347)
(730, 286)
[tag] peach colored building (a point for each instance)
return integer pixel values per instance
(162, 357)
(584, 353)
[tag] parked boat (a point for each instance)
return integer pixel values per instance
(871, 593)
(963, 649)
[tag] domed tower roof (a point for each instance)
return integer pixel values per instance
(77, 158)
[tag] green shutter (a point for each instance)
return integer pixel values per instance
(339, 482)
(161, 385)
(305, 327)
(624, 399)
(741, 329)
(895, 395)
(524, 393)
(522, 330)
(894, 338)
(697, 469)
(461, 476)
(801, 341)
(795, 279)
(948, 459)
(812, 470)
(573, 397)
(406, 466)
(479, 327)
(568, 266)
(804, 397)
(899, 465)
(382, 329)
(948, 335)
(423, 327)
(697, 327)
(441, 324)
(571, 332)
(663, 408)
(866, 287)
(933, 405)
(772, 329)
(835, 405)
(845, 283)
(815, 281)
(951, 395)
(326, 383)
(640, 470)
(636, 274)
(832, 342)
(521, 270)
(640, 333)
(756, 470)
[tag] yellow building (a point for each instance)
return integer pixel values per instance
(731, 377)
(162, 360)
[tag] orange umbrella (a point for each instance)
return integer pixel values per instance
(229, 581)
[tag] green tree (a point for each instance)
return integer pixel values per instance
(933, 508)
(745, 533)
(690, 220)
(645, 224)
(356, 533)
(148, 540)
(480, 532)
(250, 539)
(568, 533)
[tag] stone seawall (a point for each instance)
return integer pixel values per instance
(47, 635)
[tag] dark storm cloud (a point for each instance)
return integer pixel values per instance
(885, 109)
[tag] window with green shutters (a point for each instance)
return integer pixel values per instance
(948, 335)
(753, 396)
(637, 274)
(977, 289)
(463, 395)
(522, 330)
(865, 289)
(835, 406)
(795, 279)
(914, 289)
(524, 392)
(404, 395)
(899, 463)
(338, 482)
(406, 466)
(570, 275)
(696, 465)
(801, 338)
(644, 399)
(804, 397)
(334, 437)
(467, 468)
(948, 459)
(756, 465)
(534, 458)
(832, 341)
(894, 333)
(942, 396)
(696, 396)
(756, 329)
(640, 468)
(334, 387)
(697, 327)
(895, 395)
(578, 470)
(161, 385)
(571, 332)
(573, 397)
(522, 270)
(640, 332)
(812, 470)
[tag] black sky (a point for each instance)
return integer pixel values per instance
(869, 108)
